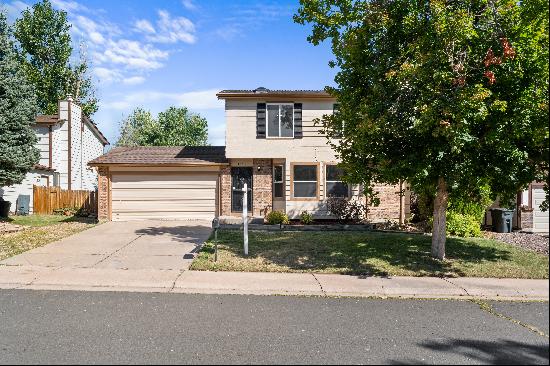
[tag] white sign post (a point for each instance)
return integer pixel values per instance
(245, 218)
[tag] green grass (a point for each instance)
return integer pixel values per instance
(369, 253)
(39, 220)
(40, 230)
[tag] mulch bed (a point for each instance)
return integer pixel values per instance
(535, 242)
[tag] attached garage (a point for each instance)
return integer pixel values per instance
(160, 183)
(143, 195)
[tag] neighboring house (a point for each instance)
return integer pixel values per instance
(528, 215)
(67, 142)
(272, 144)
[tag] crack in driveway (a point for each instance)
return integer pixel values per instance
(118, 250)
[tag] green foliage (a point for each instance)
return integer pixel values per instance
(306, 218)
(173, 127)
(277, 218)
(17, 112)
(474, 204)
(430, 89)
(45, 52)
(463, 225)
(346, 210)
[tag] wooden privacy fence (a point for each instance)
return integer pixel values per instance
(48, 199)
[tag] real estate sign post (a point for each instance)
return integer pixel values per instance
(245, 220)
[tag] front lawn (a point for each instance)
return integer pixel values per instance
(40, 230)
(368, 253)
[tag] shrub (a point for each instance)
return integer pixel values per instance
(277, 217)
(463, 225)
(306, 218)
(346, 210)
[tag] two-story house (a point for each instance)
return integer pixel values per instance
(272, 144)
(67, 141)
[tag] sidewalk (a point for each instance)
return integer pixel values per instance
(302, 284)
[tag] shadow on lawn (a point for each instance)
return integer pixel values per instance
(347, 253)
(498, 352)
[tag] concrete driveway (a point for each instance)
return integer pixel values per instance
(134, 245)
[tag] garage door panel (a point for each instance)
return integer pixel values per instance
(160, 194)
(202, 205)
(163, 196)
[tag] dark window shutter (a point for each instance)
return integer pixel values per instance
(298, 121)
(260, 120)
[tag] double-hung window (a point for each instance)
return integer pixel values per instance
(304, 181)
(278, 182)
(333, 181)
(280, 120)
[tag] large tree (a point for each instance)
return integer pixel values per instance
(448, 95)
(18, 107)
(45, 51)
(173, 127)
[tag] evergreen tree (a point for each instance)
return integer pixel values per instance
(18, 108)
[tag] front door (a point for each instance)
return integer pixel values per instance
(240, 176)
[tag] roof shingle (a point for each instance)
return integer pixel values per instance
(163, 155)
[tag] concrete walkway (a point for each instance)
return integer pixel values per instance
(177, 281)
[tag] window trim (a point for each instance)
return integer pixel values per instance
(316, 198)
(349, 195)
(279, 182)
(267, 120)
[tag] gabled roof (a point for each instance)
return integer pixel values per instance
(52, 119)
(95, 129)
(262, 92)
(163, 156)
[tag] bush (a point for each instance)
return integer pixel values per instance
(346, 210)
(306, 218)
(277, 217)
(463, 225)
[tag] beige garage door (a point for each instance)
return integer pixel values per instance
(163, 196)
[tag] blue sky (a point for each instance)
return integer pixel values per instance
(154, 54)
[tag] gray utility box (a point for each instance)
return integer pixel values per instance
(502, 220)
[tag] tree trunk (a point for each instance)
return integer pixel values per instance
(440, 220)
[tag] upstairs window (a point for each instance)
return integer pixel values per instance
(334, 185)
(280, 120)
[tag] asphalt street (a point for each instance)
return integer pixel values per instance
(115, 327)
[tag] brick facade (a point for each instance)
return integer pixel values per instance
(262, 195)
(103, 183)
(526, 218)
(389, 203)
(225, 194)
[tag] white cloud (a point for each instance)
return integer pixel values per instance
(106, 75)
(188, 4)
(204, 99)
(133, 80)
(68, 5)
(144, 26)
(169, 29)
(131, 54)
(14, 9)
